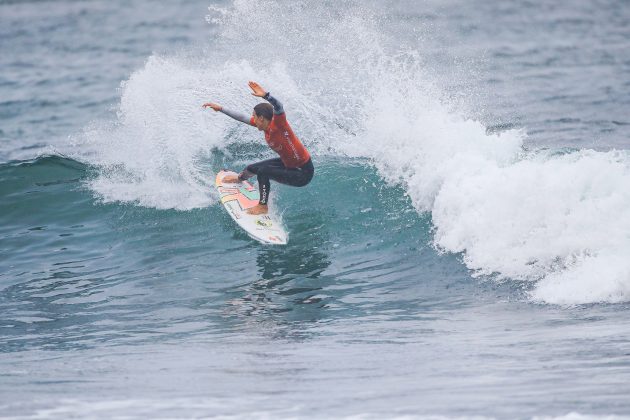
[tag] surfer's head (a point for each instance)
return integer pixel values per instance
(263, 113)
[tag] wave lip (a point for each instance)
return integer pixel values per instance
(560, 221)
(554, 220)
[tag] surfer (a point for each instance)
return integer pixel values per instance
(294, 166)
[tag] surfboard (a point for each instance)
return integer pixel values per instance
(237, 198)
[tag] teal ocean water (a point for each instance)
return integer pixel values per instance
(461, 252)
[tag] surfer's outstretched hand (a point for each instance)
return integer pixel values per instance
(257, 90)
(212, 105)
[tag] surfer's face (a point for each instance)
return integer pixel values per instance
(260, 122)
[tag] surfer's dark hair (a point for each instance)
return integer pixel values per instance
(264, 110)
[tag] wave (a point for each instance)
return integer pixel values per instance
(556, 220)
(43, 170)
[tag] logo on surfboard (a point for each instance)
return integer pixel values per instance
(264, 223)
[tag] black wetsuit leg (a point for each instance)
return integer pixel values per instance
(274, 169)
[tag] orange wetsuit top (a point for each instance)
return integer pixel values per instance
(279, 135)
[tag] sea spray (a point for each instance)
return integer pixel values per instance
(556, 221)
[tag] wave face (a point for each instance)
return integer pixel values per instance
(555, 219)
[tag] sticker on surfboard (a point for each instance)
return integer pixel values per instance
(237, 198)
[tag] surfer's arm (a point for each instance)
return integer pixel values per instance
(238, 116)
(276, 104)
(258, 90)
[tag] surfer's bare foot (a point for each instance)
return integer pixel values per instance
(230, 179)
(258, 209)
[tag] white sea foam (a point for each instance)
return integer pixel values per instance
(150, 154)
(557, 222)
(220, 408)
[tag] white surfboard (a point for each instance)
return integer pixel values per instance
(237, 198)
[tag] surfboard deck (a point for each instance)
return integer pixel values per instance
(237, 198)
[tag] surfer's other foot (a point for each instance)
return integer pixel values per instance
(258, 209)
(230, 179)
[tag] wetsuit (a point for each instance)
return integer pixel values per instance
(294, 166)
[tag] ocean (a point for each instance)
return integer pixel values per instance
(463, 250)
